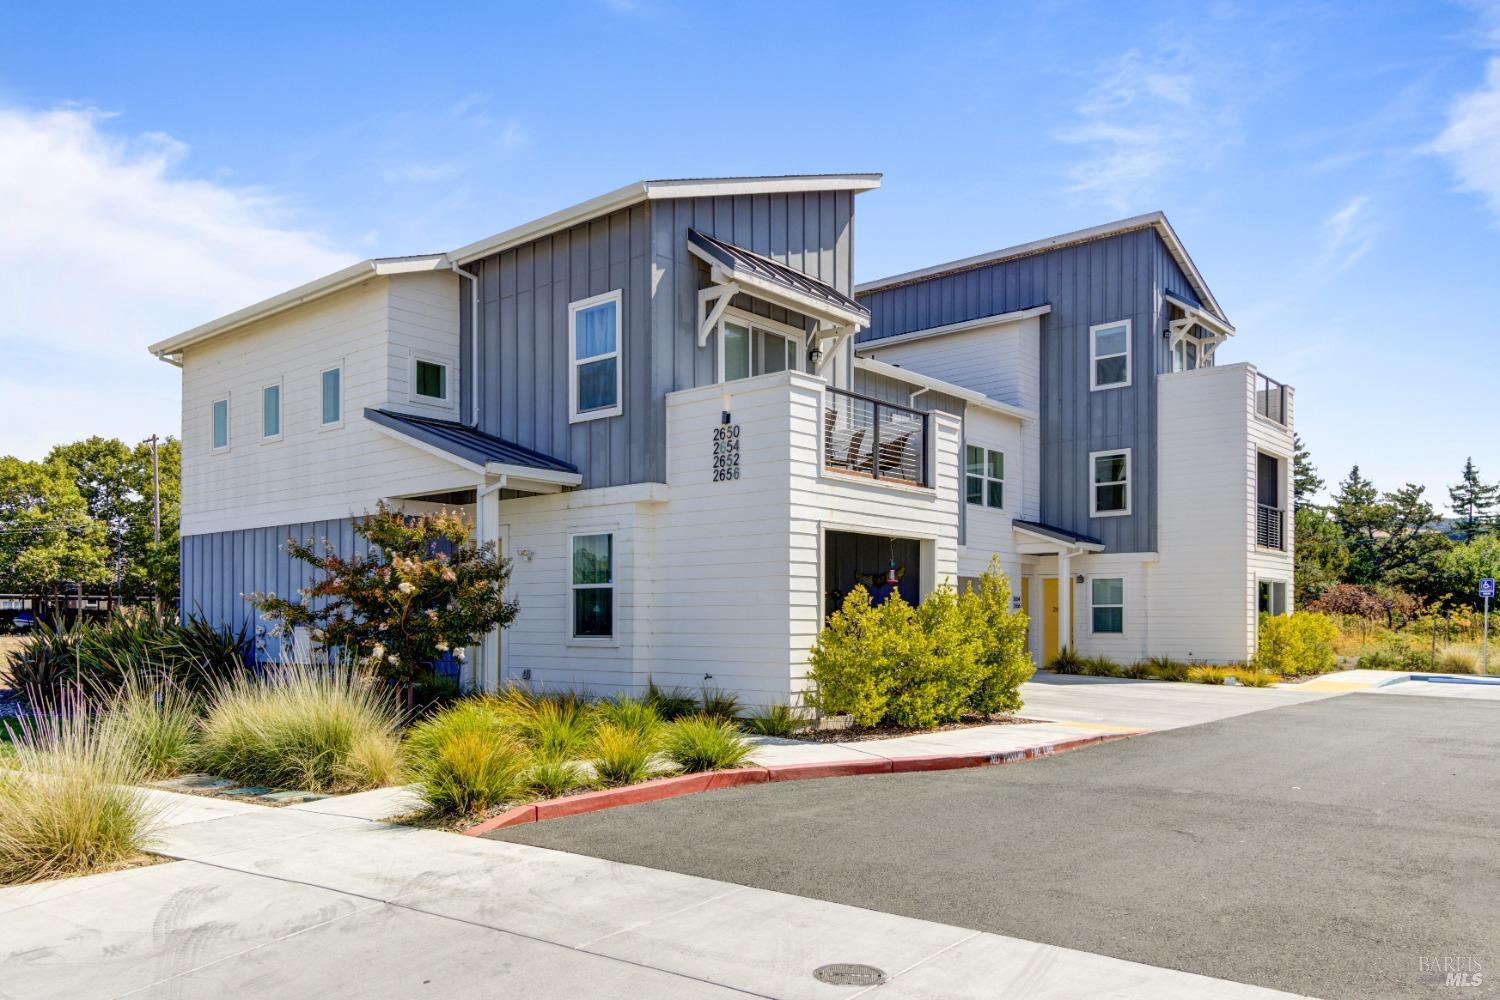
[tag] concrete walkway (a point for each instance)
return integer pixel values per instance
(1154, 705)
(322, 902)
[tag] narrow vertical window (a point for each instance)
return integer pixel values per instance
(1111, 483)
(594, 354)
(221, 424)
(593, 585)
(1107, 596)
(333, 400)
(1109, 355)
(270, 412)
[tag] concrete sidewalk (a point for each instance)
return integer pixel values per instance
(771, 750)
(297, 902)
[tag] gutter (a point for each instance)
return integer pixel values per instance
(473, 340)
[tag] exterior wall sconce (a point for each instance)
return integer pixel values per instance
(815, 356)
(526, 554)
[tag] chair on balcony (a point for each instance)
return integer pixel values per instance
(893, 456)
(858, 458)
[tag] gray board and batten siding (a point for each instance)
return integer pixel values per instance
(643, 251)
(1102, 281)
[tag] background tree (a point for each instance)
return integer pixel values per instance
(1473, 503)
(1305, 479)
(47, 538)
(405, 603)
(1461, 567)
(1386, 534)
(1322, 558)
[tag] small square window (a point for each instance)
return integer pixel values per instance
(1272, 597)
(431, 379)
(333, 402)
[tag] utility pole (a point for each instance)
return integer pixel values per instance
(155, 511)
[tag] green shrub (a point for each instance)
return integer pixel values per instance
(1298, 643)
(67, 808)
(1164, 668)
(630, 714)
(1101, 666)
(466, 759)
(552, 778)
(774, 720)
(1067, 661)
(1457, 660)
(705, 744)
(921, 666)
(1207, 675)
(558, 728)
(1140, 670)
(619, 756)
(297, 727)
(720, 704)
(1380, 659)
(1253, 678)
(670, 705)
(158, 726)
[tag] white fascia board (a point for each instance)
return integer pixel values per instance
(1055, 545)
(794, 300)
(916, 378)
(943, 331)
(710, 187)
(526, 472)
(1201, 316)
(1156, 220)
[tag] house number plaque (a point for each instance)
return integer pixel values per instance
(726, 452)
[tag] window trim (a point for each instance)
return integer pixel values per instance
(985, 477)
(1095, 358)
(448, 365)
(617, 296)
(1094, 484)
(1090, 584)
(613, 639)
(324, 425)
(280, 412)
(743, 318)
(228, 435)
(1286, 594)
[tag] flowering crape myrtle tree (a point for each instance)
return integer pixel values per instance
(405, 603)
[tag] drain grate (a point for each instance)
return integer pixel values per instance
(848, 974)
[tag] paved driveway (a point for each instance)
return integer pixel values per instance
(1332, 847)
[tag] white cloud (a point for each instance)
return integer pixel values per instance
(1471, 142)
(1349, 233)
(106, 246)
(1141, 120)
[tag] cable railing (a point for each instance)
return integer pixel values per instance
(866, 437)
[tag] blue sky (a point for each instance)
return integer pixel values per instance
(1334, 170)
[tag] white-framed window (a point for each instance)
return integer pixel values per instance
(430, 379)
(1270, 597)
(331, 392)
(219, 420)
(1109, 355)
(1109, 491)
(270, 412)
(1107, 604)
(750, 346)
(591, 578)
(984, 476)
(594, 361)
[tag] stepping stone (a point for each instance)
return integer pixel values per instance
(255, 791)
(198, 782)
(292, 797)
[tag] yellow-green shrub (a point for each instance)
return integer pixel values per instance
(1005, 660)
(1299, 643)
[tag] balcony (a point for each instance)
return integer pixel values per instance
(1270, 527)
(865, 437)
(1271, 399)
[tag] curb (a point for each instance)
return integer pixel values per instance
(706, 781)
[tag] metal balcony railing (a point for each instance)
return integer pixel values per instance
(866, 437)
(1270, 399)
(1270, 527)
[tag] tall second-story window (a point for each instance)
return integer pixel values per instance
(984, 476)
(1109, 355)
(1110, 494)
(270, 412)
(594, 357)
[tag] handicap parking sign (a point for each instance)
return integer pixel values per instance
(1487, 587)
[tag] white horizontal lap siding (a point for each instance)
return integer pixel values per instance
(1267, 436)
(987, 531)
(423, 321)
(1137, 640)
(1201, 588)
(310, 474)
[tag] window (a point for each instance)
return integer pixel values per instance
(593, 584)
(1111, 496)
(333, 399)
(1109, 355)
(1107, 596)
(984, 476)
(1272, 597)
(221, 424)
(429, 379)
(594, 354)
(270, 412)
(747, 348)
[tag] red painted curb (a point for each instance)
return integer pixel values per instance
(609, 798)
(737, 777)
(511, 817)
(946, 762)
(838, 769)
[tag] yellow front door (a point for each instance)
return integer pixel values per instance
(1049, 619)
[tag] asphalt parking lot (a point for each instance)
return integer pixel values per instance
(1338, 848)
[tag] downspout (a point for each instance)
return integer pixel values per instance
(473, 340)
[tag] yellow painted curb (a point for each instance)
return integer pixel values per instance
(1333, 686)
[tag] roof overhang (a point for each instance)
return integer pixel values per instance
(516, 472)
(1035, 538)
(1213, 324)
(763, 278)
(966, 326)
(350, 276)
(927, 382)
(1152, 220)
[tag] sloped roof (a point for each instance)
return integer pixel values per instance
(739, 261)
(466, 443)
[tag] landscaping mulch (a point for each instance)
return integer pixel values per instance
(855, 734)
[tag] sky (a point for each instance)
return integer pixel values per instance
(1334, 170)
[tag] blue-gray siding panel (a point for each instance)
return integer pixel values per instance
(1099, 282)
(219, 569)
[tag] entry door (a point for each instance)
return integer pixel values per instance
(1049, 619)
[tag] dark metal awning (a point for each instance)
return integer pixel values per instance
(474, 449)
(1052, 533)
(762, 276)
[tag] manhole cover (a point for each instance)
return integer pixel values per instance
(845, 974)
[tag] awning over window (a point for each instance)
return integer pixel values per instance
(1051, 535)
(482, 453)
(765, 278)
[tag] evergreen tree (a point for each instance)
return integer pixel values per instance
(1473, 503)
(1305, 479)
(1386, 533)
